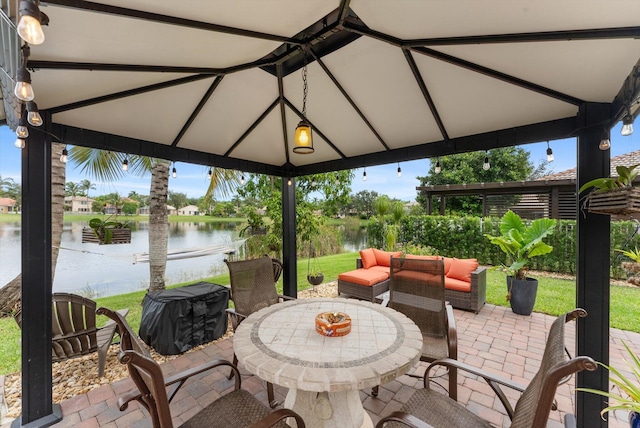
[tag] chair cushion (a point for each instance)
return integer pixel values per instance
(461, 269)
(447, 264)
(415, 257)
(383, 258)
(368, 258)
(366, 277)
(457, 285)
(382, 269)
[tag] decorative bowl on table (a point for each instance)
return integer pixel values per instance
(333, 324)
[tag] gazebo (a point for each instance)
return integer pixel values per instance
(225, 83)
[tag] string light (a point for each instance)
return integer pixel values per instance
(210, 174)
(20, 143)
(627, 126)
(486, 165)
(438, 169)
(31, 21)
(21, 130)
(33, 115)
(64, 157)
(125, 164)
(549, 153)
(289, 182)
(337, 178)
(605, 143)
(174, 171)
(242, 180)
(399, 170)
(364, 175)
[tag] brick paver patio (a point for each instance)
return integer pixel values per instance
(496, 340)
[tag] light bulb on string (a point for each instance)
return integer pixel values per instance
(210, 174)
(550, 157)
(64, 157)
(21, 130)
(20, 143)
(627, 126)
(437, 168)
(174, 171)
(242, 180)
(399, 170)
(125, 164)
(33, 115)
(31, 21)
(486, 165)
(364, 175)
(289, 182)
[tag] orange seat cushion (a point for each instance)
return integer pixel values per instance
(368, 258)
(366, 277)
(457, 285)
(383, 258)
(383, 269)
(461, 269)
(411, 256)
(416, 276)
(447, 264)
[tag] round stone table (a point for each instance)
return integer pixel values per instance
(324, 374)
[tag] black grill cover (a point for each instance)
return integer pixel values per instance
(176, 320)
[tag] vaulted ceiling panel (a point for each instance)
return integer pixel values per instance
(410, 19)
(380, 81)
(264, 145)
(330, 111)
(233, 107)
(469, 102)
(104, 38)
(79, 85)
(570, 67)
(144, 116)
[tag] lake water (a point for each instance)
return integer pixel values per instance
(103, 270)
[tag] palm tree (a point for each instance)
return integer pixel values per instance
(72, 189)
(10, 293)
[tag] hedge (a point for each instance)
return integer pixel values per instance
(463, 237)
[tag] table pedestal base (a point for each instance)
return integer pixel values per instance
(329, 410)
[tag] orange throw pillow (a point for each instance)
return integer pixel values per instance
(461, 269)
(383, 258)
(368, 258)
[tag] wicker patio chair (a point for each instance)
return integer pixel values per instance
(74, 331)
(417, 290)
(235, 409)
(253, 287)
(428, 408)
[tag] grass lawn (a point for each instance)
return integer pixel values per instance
(555, 296)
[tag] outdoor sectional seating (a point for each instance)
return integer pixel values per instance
(465, 281)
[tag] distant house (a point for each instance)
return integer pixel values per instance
(7, 205)
(189, 210)
(171, 210)
(78, 204)
(143, 210)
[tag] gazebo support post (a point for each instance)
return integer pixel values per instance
(289, 260)
(38, 409)
(592, 291)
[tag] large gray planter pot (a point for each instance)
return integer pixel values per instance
(523, 294)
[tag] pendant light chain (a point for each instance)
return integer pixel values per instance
(305, 88)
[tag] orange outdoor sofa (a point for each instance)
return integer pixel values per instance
(465, 281)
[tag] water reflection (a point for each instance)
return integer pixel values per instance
(109, 269)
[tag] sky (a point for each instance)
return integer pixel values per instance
(192, 179)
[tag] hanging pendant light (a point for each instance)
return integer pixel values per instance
(549, 153)
(486, 165)
(31, 22)
(437, 168)
(125, 164)
(303, 138)
(399, 170)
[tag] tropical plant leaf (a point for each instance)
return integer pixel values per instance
(510, 221)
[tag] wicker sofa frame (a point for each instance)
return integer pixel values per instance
(469, 301)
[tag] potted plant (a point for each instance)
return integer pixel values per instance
(629, 397)
(613, 195)
(314, 274)
(520, 243)
(632, 268)
(106, 231)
